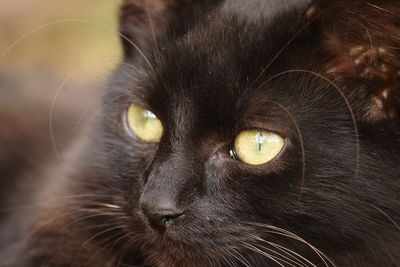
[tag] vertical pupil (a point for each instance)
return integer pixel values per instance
(259, 140)
(148, 115)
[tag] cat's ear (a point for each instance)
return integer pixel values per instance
(362, 39)
(142, 21)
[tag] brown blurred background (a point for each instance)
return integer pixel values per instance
(54, 55)
(52, 65)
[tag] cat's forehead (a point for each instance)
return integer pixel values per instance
(254, 10)
(215, 73)
(222, 59)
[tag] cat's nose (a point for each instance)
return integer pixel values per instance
(162, 216)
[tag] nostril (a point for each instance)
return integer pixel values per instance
(160, 219)
(171, 219)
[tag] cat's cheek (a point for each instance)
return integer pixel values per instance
(220, 167)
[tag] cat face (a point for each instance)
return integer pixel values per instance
(229, 147)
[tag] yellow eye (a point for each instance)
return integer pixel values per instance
(256, 147)
(144, 124)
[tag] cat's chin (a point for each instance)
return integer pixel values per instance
(176, 247)
(178, 254)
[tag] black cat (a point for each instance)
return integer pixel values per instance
(235, 133)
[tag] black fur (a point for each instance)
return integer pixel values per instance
(216, 69)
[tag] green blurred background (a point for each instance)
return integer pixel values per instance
(62, 47)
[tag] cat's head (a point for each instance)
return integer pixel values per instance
(244, 133)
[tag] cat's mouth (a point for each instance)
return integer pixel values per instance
(172, 253)
(185, 243)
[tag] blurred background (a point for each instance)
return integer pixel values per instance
(52, 52)
(54, 57)
(60, 35)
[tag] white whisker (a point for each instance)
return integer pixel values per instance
(267, 255)
(280, 231)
